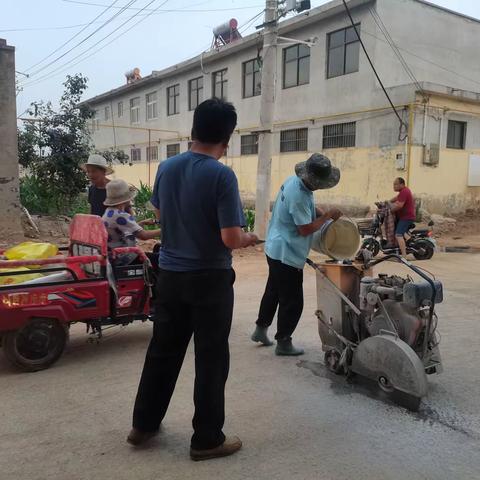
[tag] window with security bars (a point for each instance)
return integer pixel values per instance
(339, 135)
(135, 154)
(249, 144)
(296, 65)
(295, 140)
(456, 134)
(120, 109)
(173, 99)
(252, 81)
(220, 84)
(343, 52)
(195, 93)
(152, 153)
(173, 149)
(152, 105)
(135, 110)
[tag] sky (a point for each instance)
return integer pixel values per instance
(46, 33)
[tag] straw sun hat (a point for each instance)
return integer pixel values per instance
(119, 191)
(96, 160)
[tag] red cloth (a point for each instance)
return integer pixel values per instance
(407, 212)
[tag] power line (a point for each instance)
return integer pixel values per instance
(79, 2)
(55, 60)
(403, 125)
(75, 36)
(67, 65)
(169, 10)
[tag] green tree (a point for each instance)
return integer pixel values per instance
(54, 146)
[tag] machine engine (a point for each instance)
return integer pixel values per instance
(398, 305)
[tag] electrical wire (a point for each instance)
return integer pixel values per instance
(75, 36)
(402, 134)
(69, 64)
(378, 20)
(169, 10)
(183, 10)
(131, 2)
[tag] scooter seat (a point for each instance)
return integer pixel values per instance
(420, 231)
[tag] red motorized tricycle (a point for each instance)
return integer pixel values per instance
(83, 285)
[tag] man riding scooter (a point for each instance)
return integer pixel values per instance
(403, 205)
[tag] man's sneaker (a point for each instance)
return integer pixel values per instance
(285, 347)
(260, 335)
(228, 447)
(137, 437)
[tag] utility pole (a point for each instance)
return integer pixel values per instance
(267, 106)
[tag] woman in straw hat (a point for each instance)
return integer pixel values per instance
(97, 170)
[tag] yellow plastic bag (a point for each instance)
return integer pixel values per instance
(13, 279)
(31, 251)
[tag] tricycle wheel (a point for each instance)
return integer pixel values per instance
(36, 346)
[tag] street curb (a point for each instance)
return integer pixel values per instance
(459, 249)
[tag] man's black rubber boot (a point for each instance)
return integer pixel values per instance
(285, 347)
(260, 335)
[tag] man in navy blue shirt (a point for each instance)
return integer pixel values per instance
(198, 205)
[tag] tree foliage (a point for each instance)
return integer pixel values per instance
(54, 146)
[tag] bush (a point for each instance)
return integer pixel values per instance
(142, 205)
(250, 219)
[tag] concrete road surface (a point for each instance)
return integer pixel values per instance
(297, 421)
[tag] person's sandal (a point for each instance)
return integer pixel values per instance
(228, 447)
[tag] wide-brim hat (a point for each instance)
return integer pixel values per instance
(96, 160)
(119, 191)
(318, 172)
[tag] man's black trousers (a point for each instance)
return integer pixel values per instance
(198, 303)
(284, 290)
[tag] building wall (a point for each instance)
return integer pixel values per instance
(368, 169)
(438, 46)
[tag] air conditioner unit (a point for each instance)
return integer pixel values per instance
(431, 154)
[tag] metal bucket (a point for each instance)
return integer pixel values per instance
(339, 240)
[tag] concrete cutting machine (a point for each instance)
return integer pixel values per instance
(381, 327)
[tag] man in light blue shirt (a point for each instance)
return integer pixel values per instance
(290, 233)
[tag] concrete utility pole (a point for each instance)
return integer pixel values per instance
(10, 223)
(267, 106)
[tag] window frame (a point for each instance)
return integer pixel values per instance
(120, 109)
(177, 149)
(223, 83)
(176, 99)
(464, 136)
(136, 150)
(249, 148)
(340, 136)
(149, 150)
(153, 104)
(136, 109)
(198, 92)
(253, 75)
(297, 60)
(107, 112)
(345, 43)
(299, 147)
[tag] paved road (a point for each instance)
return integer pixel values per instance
(297, 421)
